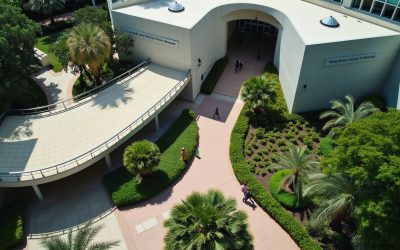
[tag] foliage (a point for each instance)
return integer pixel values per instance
(12, 226)
(17, 39)
(88, 44)
(288, 200)
(259, 93)
(125, 190)
(81, 241)
(337, 194)
(325, 146)
(56, 27)
(264, 199)
(121, 42)
(207, 221)
(368, 152)
(141, 158)
(213, 76)
(301, 163)
(377, 100)
(47, 7)
(343, 114)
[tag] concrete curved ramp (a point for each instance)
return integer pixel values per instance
(40, 148)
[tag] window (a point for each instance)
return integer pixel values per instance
(366, 5)
(377, 9)
(335, 1)
(388, 9)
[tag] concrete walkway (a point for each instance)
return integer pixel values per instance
(57, 86)
(142, 224)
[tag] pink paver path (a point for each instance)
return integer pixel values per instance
(213, 170)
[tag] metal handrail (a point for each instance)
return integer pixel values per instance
(61, 167)
(76, 99)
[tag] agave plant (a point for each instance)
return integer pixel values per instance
(342, 113)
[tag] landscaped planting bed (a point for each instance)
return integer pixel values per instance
(45, 44)
(124, 188)
(12, 226)
(212, 78)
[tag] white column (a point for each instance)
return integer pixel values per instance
(347, 3)
(37, 192)
(94, 3)
(109, 3)
(156, 123)
(108, 161)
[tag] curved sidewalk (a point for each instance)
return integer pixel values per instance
(142, 225)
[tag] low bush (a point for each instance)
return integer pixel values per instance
(124, 188)
(12, 226)
(212, 78)
(325, 146)
(244, 174)
(56, 27)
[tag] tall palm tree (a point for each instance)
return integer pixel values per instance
(338, 195)
(47, 7)
(88, 44)
(141, 158)
(301, 163)
(82, 240)
(207, 221)
(259, 92)
(345, 113)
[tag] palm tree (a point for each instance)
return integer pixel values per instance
(343, 114)
(258, 92)
(338, 195)
(301, 163)
(141, 158)
(88, 44)
(47, 7)
(207, 221)
(82, 240)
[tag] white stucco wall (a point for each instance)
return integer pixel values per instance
(392, 88)
(358, 78)
(299, 55)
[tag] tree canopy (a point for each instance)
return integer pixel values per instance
(17, 40)
(368, 151)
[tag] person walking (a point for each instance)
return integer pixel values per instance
(216, 113)
(184, 155)
(245, 191)
(237, 65)
(241, 64)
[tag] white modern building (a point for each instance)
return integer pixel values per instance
(358, 54)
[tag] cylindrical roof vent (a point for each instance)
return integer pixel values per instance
(176, 7)
(330, 21)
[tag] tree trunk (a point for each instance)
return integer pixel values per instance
(95, 69)
(87, 73)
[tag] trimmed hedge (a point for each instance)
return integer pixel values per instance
(124, 188)
(325, 146)
(211, 80)
(286, 199)
(12, 227)
(258, 192)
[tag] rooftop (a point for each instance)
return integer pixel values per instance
(304, 16)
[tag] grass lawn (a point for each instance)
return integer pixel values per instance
(45, 43)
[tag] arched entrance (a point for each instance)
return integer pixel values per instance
(251, 41)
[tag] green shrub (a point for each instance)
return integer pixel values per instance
(12, 226)
(125, 190)
(244, 173)
(56, 27)
(211, 80)
(377, 100)
(325, 146)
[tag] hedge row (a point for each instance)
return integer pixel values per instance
(12, 227)
(288, 200)
(211, 80)
(258, 191)
(124, 188)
